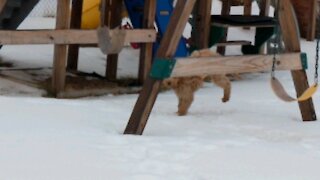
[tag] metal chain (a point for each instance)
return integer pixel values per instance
(275, 50)
(316, 75)
(276, 41)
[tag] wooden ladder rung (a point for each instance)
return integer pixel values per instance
(233, 43)
(241, 25)
(242, 21)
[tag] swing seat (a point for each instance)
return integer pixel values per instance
(242, 21)
(281, 93)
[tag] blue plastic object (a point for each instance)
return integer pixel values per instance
(163, 14)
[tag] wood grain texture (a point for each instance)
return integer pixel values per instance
(60, 51)
(113, 19)
(68, 36)
(234, 64)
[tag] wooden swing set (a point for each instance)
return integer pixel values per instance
(68, 36)
(166, 66)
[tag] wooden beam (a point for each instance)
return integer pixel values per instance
(168, 47)
(241, 25)
(146, 52)
(233, 43)
(60, 51)
(67, 36)
(234, 64)
(76, 17)
(290, 32)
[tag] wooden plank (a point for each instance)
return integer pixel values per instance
(233, 43)
(113, 19)
(168, 46)
(60, 51)
(291, 39)
(146, 52)
(234, 64)
(76, 16)
(68, 36)
(242, 25)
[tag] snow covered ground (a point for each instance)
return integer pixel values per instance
(254, 136)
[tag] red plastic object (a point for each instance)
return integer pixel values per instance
(133, 45)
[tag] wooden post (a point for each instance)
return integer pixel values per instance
(60, 51)
(290, 31)
(2, 4)
(113, 19)
(264, 8)
(247, 9)
(226, 7)
(167, 49)
(73, 54)
(146, 53)
(201, 29)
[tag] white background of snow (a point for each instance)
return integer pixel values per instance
(254, 136)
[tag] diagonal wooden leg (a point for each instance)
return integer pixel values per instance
(291, 39)
(167, 49)
(307, 110)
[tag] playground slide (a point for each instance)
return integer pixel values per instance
(14, 12)
(163, 14)
(90, 14)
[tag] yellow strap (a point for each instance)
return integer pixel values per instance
(283, 95)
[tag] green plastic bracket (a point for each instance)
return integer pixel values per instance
(162, 68)
(304, 60)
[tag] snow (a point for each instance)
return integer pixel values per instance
(254, 136)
